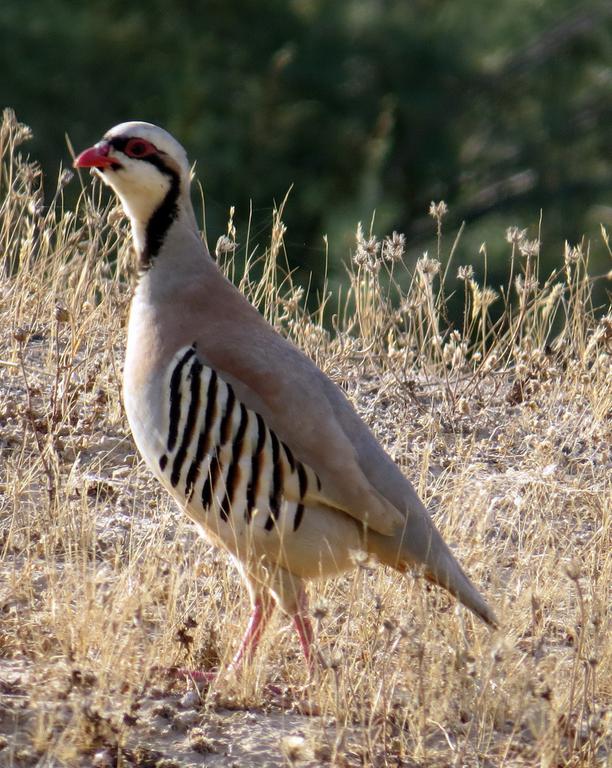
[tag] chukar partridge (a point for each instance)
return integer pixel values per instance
(261, 450)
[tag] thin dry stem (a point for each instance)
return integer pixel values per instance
(503, 424)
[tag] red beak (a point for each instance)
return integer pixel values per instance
(96, 157)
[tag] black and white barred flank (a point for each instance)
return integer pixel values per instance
(222, 454)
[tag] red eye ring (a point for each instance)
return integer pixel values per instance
(138, 148)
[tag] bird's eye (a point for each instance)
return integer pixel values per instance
(139, 148)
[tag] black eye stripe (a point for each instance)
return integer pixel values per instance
(120, 143)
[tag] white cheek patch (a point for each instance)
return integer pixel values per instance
(140, 186)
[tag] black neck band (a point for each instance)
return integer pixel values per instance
(161, 220)
(167, 211)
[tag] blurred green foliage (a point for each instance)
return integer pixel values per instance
(500, 109)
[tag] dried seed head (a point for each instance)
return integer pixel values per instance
(465, 273)
(11, 126)
(529, 248)
(367, 251)
(61, 313)
(524, 285)
(438, 211)
(489, 296)
(115, 216)
(463, 406)
(393, 247)
(482, 298)
(573, 253)
(36, 206)
(65, 178)
(427, 267)
(552, 299)
(291, 302)
(515, 236)
(225, 245)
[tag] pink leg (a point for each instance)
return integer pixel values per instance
(304, 629)
(260, 615)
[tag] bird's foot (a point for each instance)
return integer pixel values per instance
(201, 677)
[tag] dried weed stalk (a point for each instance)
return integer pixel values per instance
(503, 424)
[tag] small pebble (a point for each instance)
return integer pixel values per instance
(103, 759)
(190, 700)
(183, 721)
(200, 742)
(163, 710)
(294, 748)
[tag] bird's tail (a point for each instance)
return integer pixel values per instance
(419, 543)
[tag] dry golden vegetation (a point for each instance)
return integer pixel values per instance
(504, 427)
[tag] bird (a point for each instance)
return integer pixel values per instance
(263, 452)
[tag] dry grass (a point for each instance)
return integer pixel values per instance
(504, 429)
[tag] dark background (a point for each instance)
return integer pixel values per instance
(502, 109)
